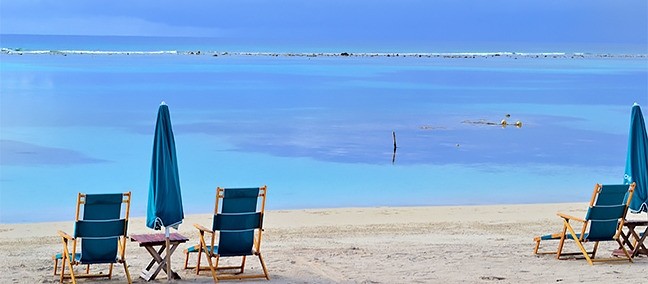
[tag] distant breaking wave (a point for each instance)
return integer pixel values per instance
(91, 52)
(17, 51)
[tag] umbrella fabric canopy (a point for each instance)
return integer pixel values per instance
(165, 199)
(636, 169)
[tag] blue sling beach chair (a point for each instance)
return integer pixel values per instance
(603, 222)
(100, 232)
(237, 225)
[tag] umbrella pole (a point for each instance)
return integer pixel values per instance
(168, 253)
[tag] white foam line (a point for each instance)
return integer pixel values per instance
(93, 52)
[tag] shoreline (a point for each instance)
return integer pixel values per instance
(362, 245)
(368, 208)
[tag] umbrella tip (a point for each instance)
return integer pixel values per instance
(635, 104)
(163, 103)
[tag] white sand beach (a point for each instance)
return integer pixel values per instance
(454, 244)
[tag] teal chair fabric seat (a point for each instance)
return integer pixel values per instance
(195, 248)
(554, 237)
(59, 256)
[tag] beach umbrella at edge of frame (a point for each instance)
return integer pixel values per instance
(636, 169)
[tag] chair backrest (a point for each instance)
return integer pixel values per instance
(238, 219)
(101, 229)
(607, 211)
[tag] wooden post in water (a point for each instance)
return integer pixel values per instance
(394, 154)
(394, 136)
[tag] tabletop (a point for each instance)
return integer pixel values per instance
(636, 223)
(157, 239)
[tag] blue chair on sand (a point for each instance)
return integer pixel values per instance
(100, 232)
(237, 225)
(604, 219)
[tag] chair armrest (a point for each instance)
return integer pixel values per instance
(569, 217)
(65, 235)
(203, 229)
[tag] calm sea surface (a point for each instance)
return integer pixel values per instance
(316, 130)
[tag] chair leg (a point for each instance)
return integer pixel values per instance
(109, 271)
(265, 269)
(212, 267)
(198, 261)
(128, 277)
(62, 268)
(72, 276)
(625, 251)
(578, 243)
(537, 246)
(243, 264)
(55, 265)
(562, 241)
(186, 259)
(594, 250)
(582, 248)
(69, 262)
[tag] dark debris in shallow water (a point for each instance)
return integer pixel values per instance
(480, 122)
(432, 127)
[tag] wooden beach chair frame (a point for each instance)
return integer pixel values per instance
(207, 247)
(568, 231)
(69, 257)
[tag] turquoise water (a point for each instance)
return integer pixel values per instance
(316, 130)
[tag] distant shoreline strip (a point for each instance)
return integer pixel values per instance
(11, 51)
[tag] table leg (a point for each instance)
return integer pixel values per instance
(626, 237)
(153, 261)
(148, 274)
(640, 246)
(172, 273)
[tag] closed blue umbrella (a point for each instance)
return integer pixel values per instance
(165, 199)
(636, 169)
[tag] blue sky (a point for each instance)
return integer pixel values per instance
(531, 21)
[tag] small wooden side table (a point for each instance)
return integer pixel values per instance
(149, 242)
(633, 239)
